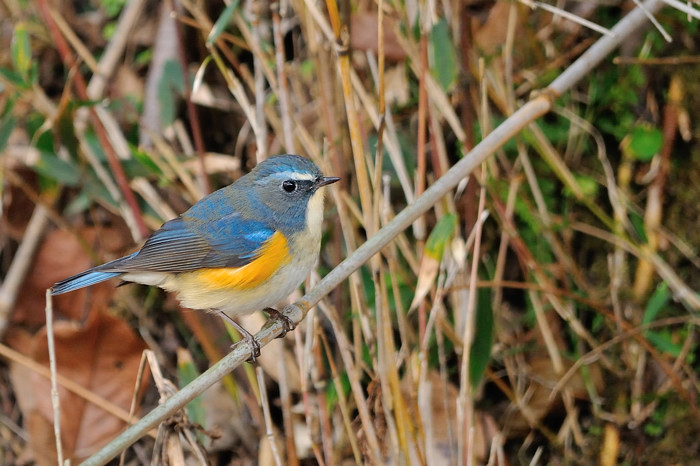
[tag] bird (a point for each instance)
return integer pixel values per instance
(243, 248)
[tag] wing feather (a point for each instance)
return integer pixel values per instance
(184, 245)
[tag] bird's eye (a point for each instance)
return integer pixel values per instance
(289, 186)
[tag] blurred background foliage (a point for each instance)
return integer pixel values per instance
(523, 319)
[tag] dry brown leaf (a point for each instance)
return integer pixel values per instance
(429, 268)
(439, 423)
(443, 422)
(17, 206)
(397, 90)
(127, 83)
(60, 256)
(540, 403)
(103, 356)
(489, 29)
(364, 35)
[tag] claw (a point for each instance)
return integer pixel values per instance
(288, 323)
(245, 334)
(253, 343)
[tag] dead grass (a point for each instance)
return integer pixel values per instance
(542, 312)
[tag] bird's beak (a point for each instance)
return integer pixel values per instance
(324, 180)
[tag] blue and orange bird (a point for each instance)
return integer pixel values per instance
(240, 249)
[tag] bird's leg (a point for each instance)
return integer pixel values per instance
(289, 325)
(245, 334)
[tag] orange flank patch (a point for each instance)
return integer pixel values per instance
(273, 254)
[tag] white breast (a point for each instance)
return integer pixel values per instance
(314, 215)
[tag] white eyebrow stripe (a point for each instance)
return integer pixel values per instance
(295, 175)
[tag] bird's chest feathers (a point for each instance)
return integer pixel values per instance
(314, 217)
(305, 244)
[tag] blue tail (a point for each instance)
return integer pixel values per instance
(81, 280)
(91, 276)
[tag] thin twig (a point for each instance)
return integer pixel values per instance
(265, 404)
(55, 401)
(89, 396)
(685, 7)
(282, 89)
(195, 124)
(465, 401)
(286, 401)
(21, 262)
(259, 67)
(342, 48)
(113, 52)
(565, 14)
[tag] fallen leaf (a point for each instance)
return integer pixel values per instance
(364, 35)
(438, 405)
(540, 403)
(432, 256)
(429, 268)
(397, 90)
(102, 355)
(17, 206)
(489, 28)
(434, 409)
(60, 256)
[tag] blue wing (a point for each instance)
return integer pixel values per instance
(184, 244)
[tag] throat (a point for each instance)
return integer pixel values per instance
(314, 215)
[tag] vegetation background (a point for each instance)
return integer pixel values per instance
(544, 312)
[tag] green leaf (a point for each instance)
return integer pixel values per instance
(663, 341)
(94, 190)
(144, 57)
(307, 69)
(145, 159)
(645, 142)
(653, 429)
(95, 145)
(170, 85)
(404, 294)
(53, 168)
(444, 57)
(64, 128)
(7, 124)
(21, 51)
(187, 372)
(112, 7)
(483, 340)
(108, 30)
(77, 204)
(14, 78)
(332, 396)
(435, 246)
(587, 185)
(656, 303)
(430, 263)
(637, 222)
(222, 22)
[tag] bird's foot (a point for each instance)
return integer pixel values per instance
(288, 323)
(246, 336)
(253, 343)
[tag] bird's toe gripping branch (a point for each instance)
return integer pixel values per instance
(288, 323)
(245, 334)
